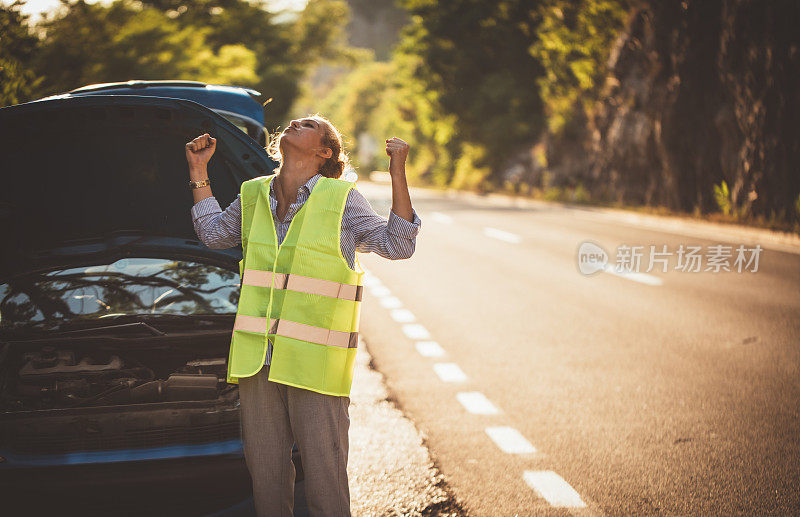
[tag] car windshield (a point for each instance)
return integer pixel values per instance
(130, 286)
(238, 122)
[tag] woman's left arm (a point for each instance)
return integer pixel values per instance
(401, 200)
(366, 231)
(396, 237)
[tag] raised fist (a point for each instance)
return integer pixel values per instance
(199, 150)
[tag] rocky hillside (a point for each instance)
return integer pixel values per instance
(698, 92)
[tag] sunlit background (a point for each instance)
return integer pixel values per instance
(35, 8)
(676, 108)
(550, 140)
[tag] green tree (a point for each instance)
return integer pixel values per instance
(574, 40)
(127, 40)
(18, 82)
(476, 56)
(284, 47)
(377, 100)
(475, 84)
(217, 41)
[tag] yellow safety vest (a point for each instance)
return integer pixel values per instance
(301, 295)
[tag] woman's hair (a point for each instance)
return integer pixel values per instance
(333, 166)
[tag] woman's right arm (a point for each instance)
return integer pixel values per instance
(198, 153)
(215, 228)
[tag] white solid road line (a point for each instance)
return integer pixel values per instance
(449, 372)
(390, 302)
(429, 349)
(509, 440)
(643, 278)
(476, 403)
(553, 488)
(402, 315)
(416, 331)
(441, 218)
(501, 235)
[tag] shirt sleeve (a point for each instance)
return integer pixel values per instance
(394, 238)
(215, 228)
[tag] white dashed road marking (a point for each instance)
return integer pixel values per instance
(370, 280)
(553, 488)
(476, 403)
(402, 315)
(501, 235)
(416, 331)
(547, 484)
(643, 278)
(429, 349)
(390, 302)
(380, 290)
(441, 218)
(509, 440)
(449, 372)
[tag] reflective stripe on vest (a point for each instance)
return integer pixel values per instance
(293, 329)
(303, 284)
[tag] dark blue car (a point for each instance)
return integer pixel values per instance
(238, 105)
(115, 321)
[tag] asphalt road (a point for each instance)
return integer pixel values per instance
(557, 393)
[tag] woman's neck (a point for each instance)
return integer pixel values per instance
(294, 172)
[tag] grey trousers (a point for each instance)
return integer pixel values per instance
(274, 416)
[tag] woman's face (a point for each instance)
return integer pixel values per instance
(304, 134)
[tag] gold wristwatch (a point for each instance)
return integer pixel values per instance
(199, 184)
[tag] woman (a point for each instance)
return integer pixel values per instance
(277, 408)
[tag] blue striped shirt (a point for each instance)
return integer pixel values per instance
(362, 229)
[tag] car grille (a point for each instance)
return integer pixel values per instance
(134, 439)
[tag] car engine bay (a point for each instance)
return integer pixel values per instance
(105, 393)
(51, 377)
(57, 378)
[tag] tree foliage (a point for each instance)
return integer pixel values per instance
(479, 83)
(217, 41)
(574, 40)
(475, 55)
(383, 99)
(17, 46)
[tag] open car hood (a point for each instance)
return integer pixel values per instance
(85, 168)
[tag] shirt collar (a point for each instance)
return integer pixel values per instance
(312, 181)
